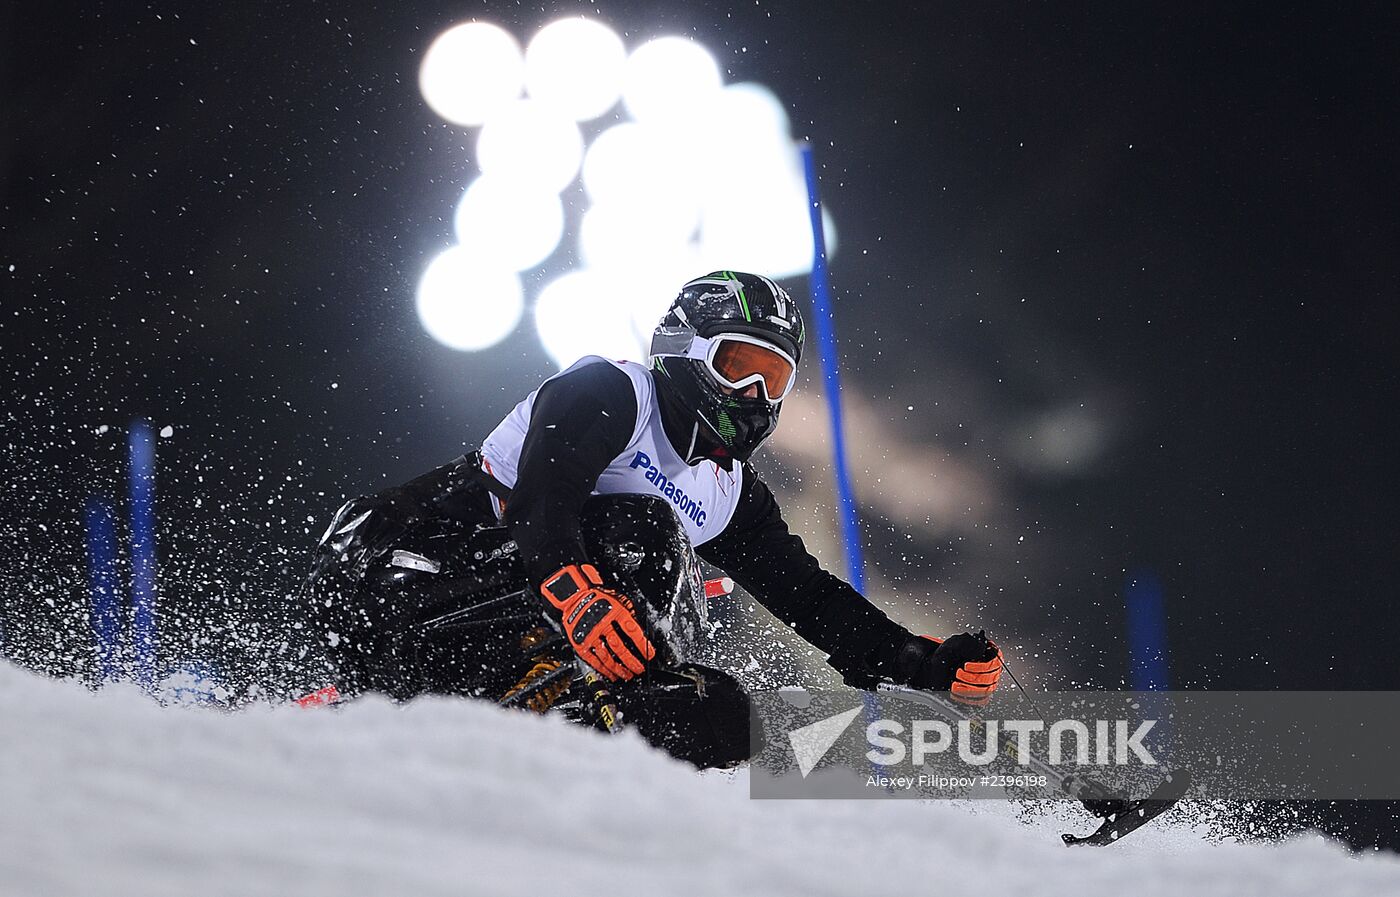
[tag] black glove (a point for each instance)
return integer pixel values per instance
(364, 528)
(967, 665)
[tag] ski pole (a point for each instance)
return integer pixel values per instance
(600, 700)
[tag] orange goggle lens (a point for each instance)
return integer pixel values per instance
(737, 362)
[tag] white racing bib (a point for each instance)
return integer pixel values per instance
(703, 496)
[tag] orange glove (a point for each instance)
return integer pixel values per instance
(599, 623)
(976, 662)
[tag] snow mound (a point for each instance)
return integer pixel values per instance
(109, 793)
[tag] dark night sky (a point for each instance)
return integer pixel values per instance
(215, 212)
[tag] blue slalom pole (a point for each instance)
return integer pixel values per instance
(831, 378)
(831, 381)
(143, 553)
(1147, 631)
(105, 614)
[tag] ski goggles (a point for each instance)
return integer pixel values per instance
(737, 360)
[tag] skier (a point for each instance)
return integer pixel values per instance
(723, 359)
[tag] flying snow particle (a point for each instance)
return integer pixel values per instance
(167, 431)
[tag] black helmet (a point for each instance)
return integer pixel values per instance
(718, 321)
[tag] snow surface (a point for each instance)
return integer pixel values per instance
(107, 793)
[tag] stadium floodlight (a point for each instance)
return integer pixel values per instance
(772, 231)
(767, 239)
(696, 176)
(583, 313)
(616, 156)
(634, 163)
(653, 283)
(647, 252)
(753, 110)
(470, 71)
(669, 80)
(529, 142)
(623, 234)
(516, 224)
(467, 301)
(575, 65)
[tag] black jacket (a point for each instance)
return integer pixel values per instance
(580, 422)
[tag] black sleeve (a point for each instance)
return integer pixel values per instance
(773, 565)
(580, 422)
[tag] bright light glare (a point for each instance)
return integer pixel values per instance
(644, 202)
(670, 79)
(470, 71)
(784, 250)
(653, 283)
(467, 302)
(752, 110)
(582, 314)
(632, 162)
(762, 224)
(703, 177)
(613, 158)
(575, 66)
(755, 215)
(617, 234)
(515, 224)
(527, 141)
